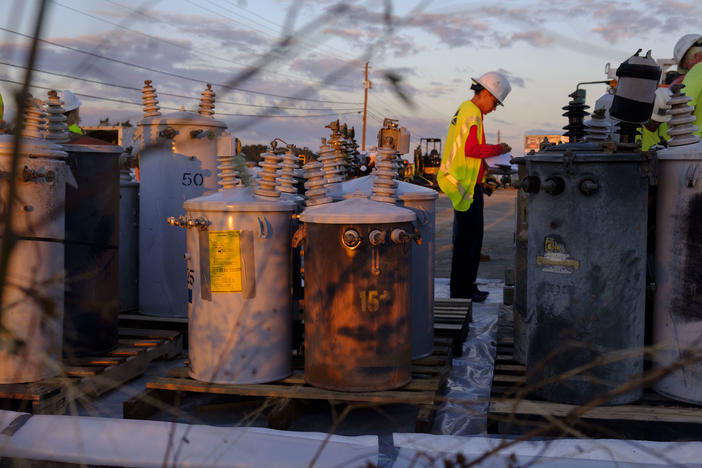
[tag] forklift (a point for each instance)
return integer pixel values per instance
(427, 159)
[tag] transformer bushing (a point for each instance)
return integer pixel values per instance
(315, 191)
(207, 102)
(576, 113)
(332, 174)
(385, 185)
(680, 127)
(597, 128)
(58, 130)
(267, 184)
(286, 179)
(150, 101)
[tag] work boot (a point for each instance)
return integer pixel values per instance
(479, 296)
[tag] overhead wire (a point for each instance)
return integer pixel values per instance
(174, 75)
(122, 101)
(161, 93)
(171, 43)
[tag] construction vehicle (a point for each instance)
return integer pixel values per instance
(427, 159)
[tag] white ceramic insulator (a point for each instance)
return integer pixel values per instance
(385, 186)
(681, 128)
(227, 177)
(125, 175)
(267, 184)
(286, 179)
(597, 129)
(315, 191)
(34, 120)
(207, 102)
(57, 128)
(150, 101)
(330, 169)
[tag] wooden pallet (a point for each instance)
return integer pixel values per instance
(86, 378)
(653, 416)
(452, 319)
(428, 376)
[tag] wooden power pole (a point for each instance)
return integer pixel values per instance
(366, 85)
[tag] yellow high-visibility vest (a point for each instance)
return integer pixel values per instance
(458, 174)
(73, 128)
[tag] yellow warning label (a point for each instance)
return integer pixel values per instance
(225, 261)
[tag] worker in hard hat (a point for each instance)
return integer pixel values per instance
(71, 106)
(655, 131)
(461, 175)
(688, 55)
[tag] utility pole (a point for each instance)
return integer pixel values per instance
(366, 85)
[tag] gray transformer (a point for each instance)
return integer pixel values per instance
(586, 272)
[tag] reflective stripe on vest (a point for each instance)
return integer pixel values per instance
(458, 174)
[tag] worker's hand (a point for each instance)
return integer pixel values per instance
(505, 148)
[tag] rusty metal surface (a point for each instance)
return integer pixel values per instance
(357, 317)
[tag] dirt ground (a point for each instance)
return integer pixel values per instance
(498, 241)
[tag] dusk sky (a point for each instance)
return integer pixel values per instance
(424, 51)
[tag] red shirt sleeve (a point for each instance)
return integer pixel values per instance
(475, 149)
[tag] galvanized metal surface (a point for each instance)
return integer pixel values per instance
(422, 201)
(240, 315)
(33, 298)
(91, 250)
(586, 273)
(357, 317)
(677, 322)
(521, 235)
(178, 162)
(128, 245)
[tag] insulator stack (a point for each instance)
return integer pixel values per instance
(287, 178)
(267, 184)
(681, 128)
(627, 132)
(150, 100)
(207, 102)
(125, 175)
(336, 143)
(327, 157)
(58, 130)
(385, 185)
(227, 178)
(576, 113)
(34, 119)
(315, 191)
(597, 128)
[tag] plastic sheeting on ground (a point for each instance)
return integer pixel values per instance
(423, 451)
(467, 397)
(121, 442)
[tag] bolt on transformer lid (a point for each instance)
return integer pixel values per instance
(357, 211)
(238, 199)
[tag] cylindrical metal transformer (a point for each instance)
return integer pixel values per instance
(128, 243)
(239, 287)
(357, 295)
(177, 162)
(677, 321)
(521, 240)
(32, 308)
(92, 248)
(586, 272)
(422, 201)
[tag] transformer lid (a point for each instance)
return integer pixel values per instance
(182, 117)
(357, 211)
(32, 147)
(92, 148)
(405, 190)
(238, 199)
(681, 153)
(585, 152)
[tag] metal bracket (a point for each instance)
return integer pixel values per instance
(691, 175)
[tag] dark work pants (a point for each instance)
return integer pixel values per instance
(467, 242)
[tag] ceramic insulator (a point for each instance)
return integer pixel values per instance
(597, 128)
(207, 102)
(58, 130)
(267, 185)
(227, 178)
(34, 119)
(681, 128)
(125, 175)
(385, 186)
(150, 101)
(287, 179)
(327, 157)
(315, 192)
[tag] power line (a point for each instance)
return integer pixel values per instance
(121, 101)
(175, 75)
(174, 44)
(160, 93)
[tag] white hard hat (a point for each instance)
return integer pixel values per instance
(661, 105)
(496, 83)
(683, 45)
(70, 101)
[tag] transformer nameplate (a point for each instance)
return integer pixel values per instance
(225, 261)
